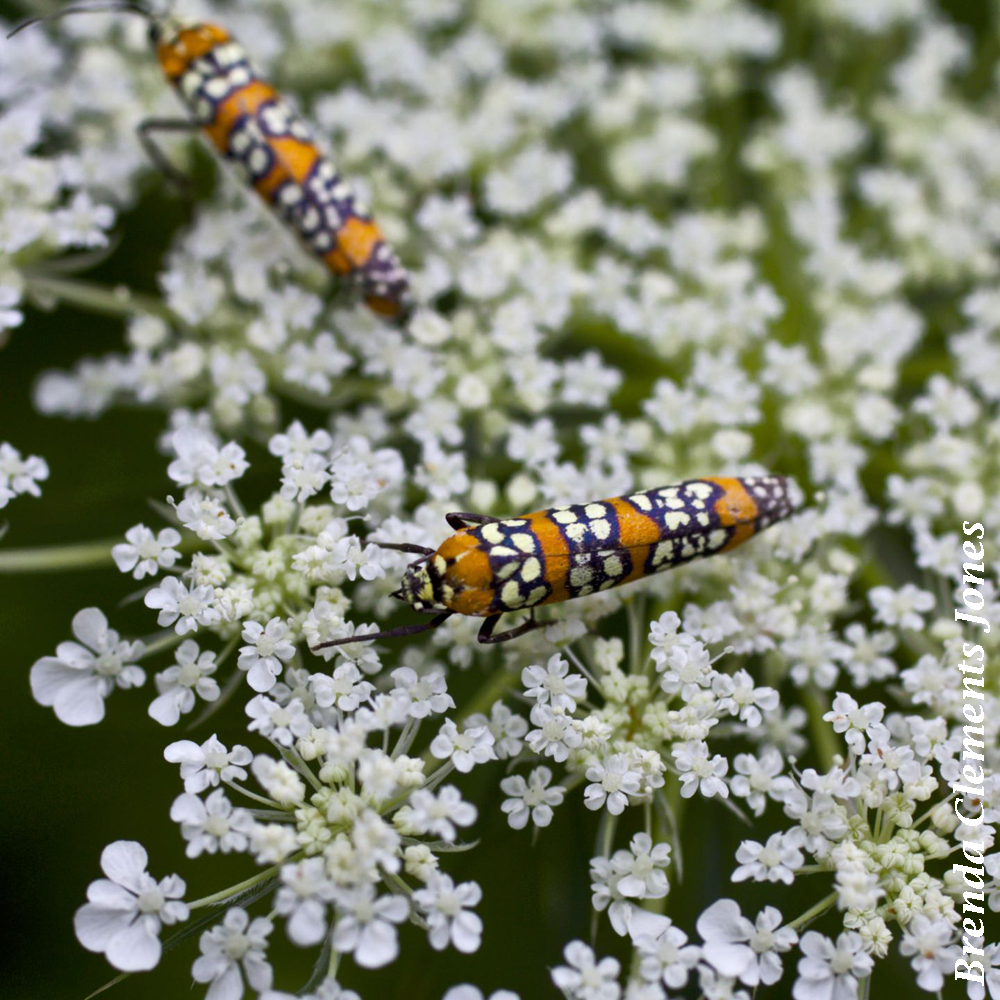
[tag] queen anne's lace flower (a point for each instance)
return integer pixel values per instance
(576, 334)
(448, 911)
(126, 910)
(76, 681)
(19, 476)
(231, 951)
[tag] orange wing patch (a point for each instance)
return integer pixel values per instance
(356, 240)
(556, 551)
(192, 43)
(636, 532)
(735, 509)
(244, 101)
(468, 572)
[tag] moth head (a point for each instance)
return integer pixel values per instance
(423, 585)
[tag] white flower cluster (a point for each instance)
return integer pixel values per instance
(627, 272)
(20, 476)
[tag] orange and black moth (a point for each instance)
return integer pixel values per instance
(256, 129)
(261, 134)
(494, 565)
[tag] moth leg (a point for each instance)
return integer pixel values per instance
(487, 635)
(460, 520)
(393, 633)
(145, 130)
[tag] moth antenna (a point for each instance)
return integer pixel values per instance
(419, 550)
(393, 633)
(122, 8)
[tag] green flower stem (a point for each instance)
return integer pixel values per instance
(118, 301)
(165, 639)
(108, 985)
(606, 835)
(813, 912)
(50, 559)
(270, 803)
(438, 776)
(294, 759)
(406, 737)
(224, 894)
(391, 878)
(79, 555)
(636, 634)
(823, 739)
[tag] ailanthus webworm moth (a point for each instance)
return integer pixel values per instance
(494, 565)
(256, 129)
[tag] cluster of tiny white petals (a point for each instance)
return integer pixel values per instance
(625, 274)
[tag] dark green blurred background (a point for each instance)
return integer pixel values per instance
(68, 792)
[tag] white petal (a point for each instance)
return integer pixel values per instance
(80, 701)
(641, 923)
(259, 677)
(188, 809)
(123, 862)
(95, 926)
(166, 709)
(259, 972)
(467, 932)
(308, 923)
(135, 949)
(377, 945)
(229, 986)
(110, 895)
(49, 676)
(74, 655)
(91, 627)
(722, 921)
(183, 752)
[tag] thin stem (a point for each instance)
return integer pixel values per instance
(439, 775)
(270, 803)
(391, 878)
(223, 894)
(91, 297)
(607, 834)
(824, 741)
(582, 667)
(234, 501)
(293, 521)
(48, 559)
(293, 757)
(164, 639)
(406, 737)
(813, 912)
(637, 645)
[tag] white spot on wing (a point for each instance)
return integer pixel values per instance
(492, 534)
(701, 490)
(523, 540)
(531, 570)
(510, 595)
